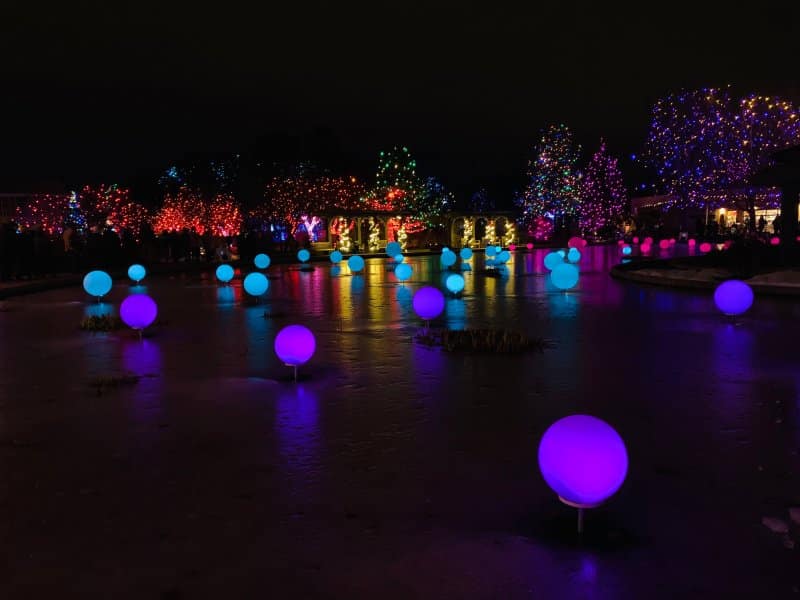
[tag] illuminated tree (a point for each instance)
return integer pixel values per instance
(603, 196)
(111, 206)
(553, 179)
(184, 210)
(224, 216)
(47, 212)
(397, 188)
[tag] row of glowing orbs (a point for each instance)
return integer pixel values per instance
(137, 311)
(564, 273)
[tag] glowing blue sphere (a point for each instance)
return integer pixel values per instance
(626, 250)
(562, 253)
(733, 297)
(502, 257)
(295, 345)
(398, 258)
(428, 302)
(256, 284)
(336, 257)
(97, 283)
(455, 283)
(564, 276)
(583, 460)
(356, 263)
(303, 255)
(491, 251)
(138, 311)
(445, 249)
(448, 258)
(466, 253)
(393, 249)
(574, 255)
(403, 272)
(225, 273)
(136, 272)
(552, 260)
(498, 249)
(262, 261)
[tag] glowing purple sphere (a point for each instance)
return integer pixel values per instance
(583, 460)
(733, 297)
(428, 302)
(138, 311)
(295, 345)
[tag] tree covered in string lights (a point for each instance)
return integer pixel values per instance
(553, 179)
(224, 216)
(186, 209)
(433, 203)
(603, 198)
(111, 206)
(48, 212)
(398, 187)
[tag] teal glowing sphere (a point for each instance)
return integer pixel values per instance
(502, 257)
(393, 249)
(225, 273)
(491, 251)
(356, 263)
(336, 257)
(574, 255)
(562, 253)
(138, 311)
(303, 255)
(448, 258)
(626, 250)
(445, 249)
(564, 276)
(398, 258)
(136, 272)
(295, 345)
(552, 260)
(455, 283)
(256, 284)
(466, 253)
(498, 249)
(261, 261)
(97, 283)
(403, 272)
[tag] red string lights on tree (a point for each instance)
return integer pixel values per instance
(47, 212)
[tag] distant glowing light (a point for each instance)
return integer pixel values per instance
(97, 283)
(552, 260)
(295, 345)
(336, 257)
(303, 255)
(774, 241)
(466, 253)
(403, 272)
(136, 272)
(256, 284)
(733, 297)
(626, 250)
(448, 258)
(355, 263)
(512, 247)
(663, 244)
(529, 246)
(138, 311)
(393, 249)
(490, 251)
(428, 303)
(705, 247)
(225, 273)
(262, 261)
(583, 460)
(576, 242)
(565, 276)
(692, 242)
(645, 248)
(455, 283)
(574, 255)
(635, 239)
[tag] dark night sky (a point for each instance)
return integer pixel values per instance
(92, 91)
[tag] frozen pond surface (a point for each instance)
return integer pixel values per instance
(393, 470)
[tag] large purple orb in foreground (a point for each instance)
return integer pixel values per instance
(733, 297)
(295, 345)
(138, 311)
(583, 459)
(428, 302)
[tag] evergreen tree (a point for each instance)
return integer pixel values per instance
(603, 196)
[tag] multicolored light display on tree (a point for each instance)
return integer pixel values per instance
(603, 197)
(111, 206)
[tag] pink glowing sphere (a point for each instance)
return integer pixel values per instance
(620, 243)
(692, 242)
(645, 248)
(512, 247)
(672, 241)
(635, 239)
(576, 242)
(727, 244)
(663, 244)
(529, 246)
(648, 240)
(775, 241)
(705, 247)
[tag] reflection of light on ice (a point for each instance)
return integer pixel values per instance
(456, 314)
(297, 429)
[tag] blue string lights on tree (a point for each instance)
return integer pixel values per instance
(604, 200)
(552, 191)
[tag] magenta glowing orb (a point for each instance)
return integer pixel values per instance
(529, 246)
(705, 247)
(138, 311)
(576, 242)
(692, 242)
(733, 297)
(672, 241)
(635, 240)
(774, 241)
(583, 460)
(645, 248)
(648, 240)
(663, 244)
(512, 247)
(428, 302)
(295, 345)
